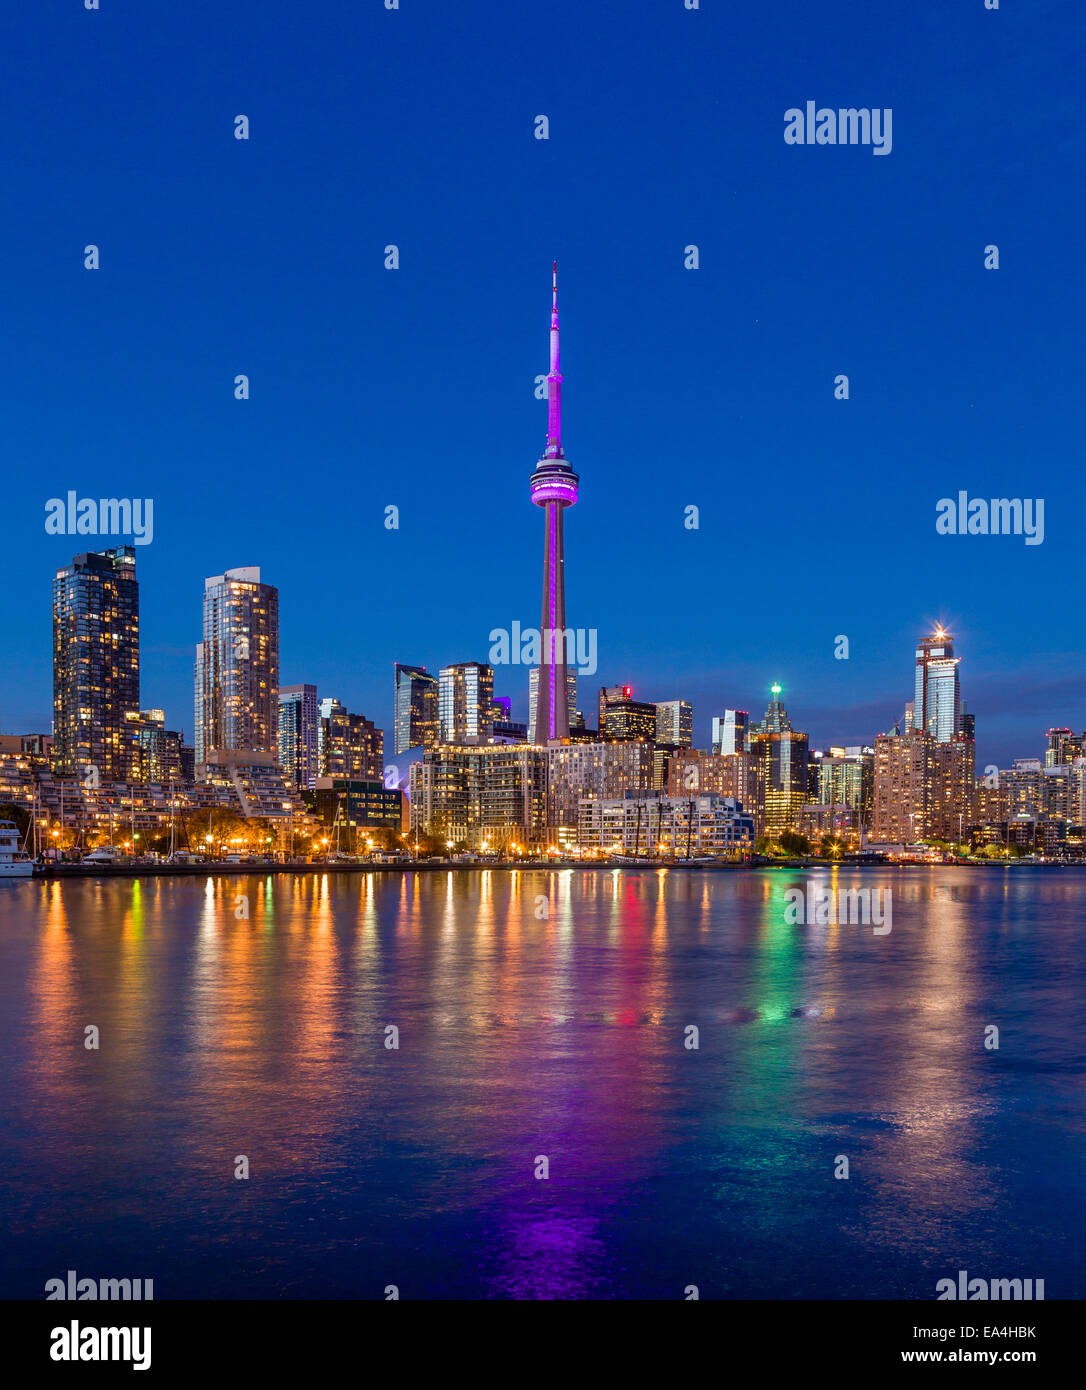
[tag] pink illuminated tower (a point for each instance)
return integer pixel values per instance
(554, 488)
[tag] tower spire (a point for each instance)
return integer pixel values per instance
(554, 488)
(554, 382)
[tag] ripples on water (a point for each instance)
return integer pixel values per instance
(523, 1035)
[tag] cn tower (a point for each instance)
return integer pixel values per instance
(554, 488)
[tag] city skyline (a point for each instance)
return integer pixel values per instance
(936, 667)
(713, 387)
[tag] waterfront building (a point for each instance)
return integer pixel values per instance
(96, 665)
(354, 806)
(416, 708)
(554, 487)
(465, 703)
(237, 666)
(490, 796)
(348, 745)
(903, 788)
(298, 736)
(725, 774)
(659, 826)
(592, 769)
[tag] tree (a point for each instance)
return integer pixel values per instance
(19, 814)
(793, 843)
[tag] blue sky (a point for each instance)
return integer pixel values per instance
(414, 387)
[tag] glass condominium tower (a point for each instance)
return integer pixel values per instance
(96, 666)
(416, 702)
(237, 666)
(298, 734)
(937, 694)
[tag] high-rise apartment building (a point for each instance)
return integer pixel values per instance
(237, 666)
(416, 708)
(298, 735)
(846, 777)
(593, 769)
(488, 797)
(1063, 747)
(903, 787)
(349, 745)
(157, 749)
(466, 703)
(96, 666)
(674, 723)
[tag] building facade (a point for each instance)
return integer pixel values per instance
(237, 666)
(416, 708)
(96, 666)
(298, 734)
(465, 703)
(674, 723)
(348, 745)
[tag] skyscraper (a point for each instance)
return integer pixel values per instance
(782, 766)
(465, 703)
(298, 734)
(731, 731)
(96, 666)
(237, 666)
(415, 708)
(554, 487)
(936, 692)
(674, 723)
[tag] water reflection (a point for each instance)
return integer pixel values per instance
(541, 1015)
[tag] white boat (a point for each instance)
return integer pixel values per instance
(106, 854)
(13, 862)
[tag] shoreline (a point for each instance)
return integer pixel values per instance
(81, 871)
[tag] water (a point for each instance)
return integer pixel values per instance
(523, 1035)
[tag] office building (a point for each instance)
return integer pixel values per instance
(674, 723)
(731, 732)
(780, 754)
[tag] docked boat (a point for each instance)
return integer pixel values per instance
(14, 863)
